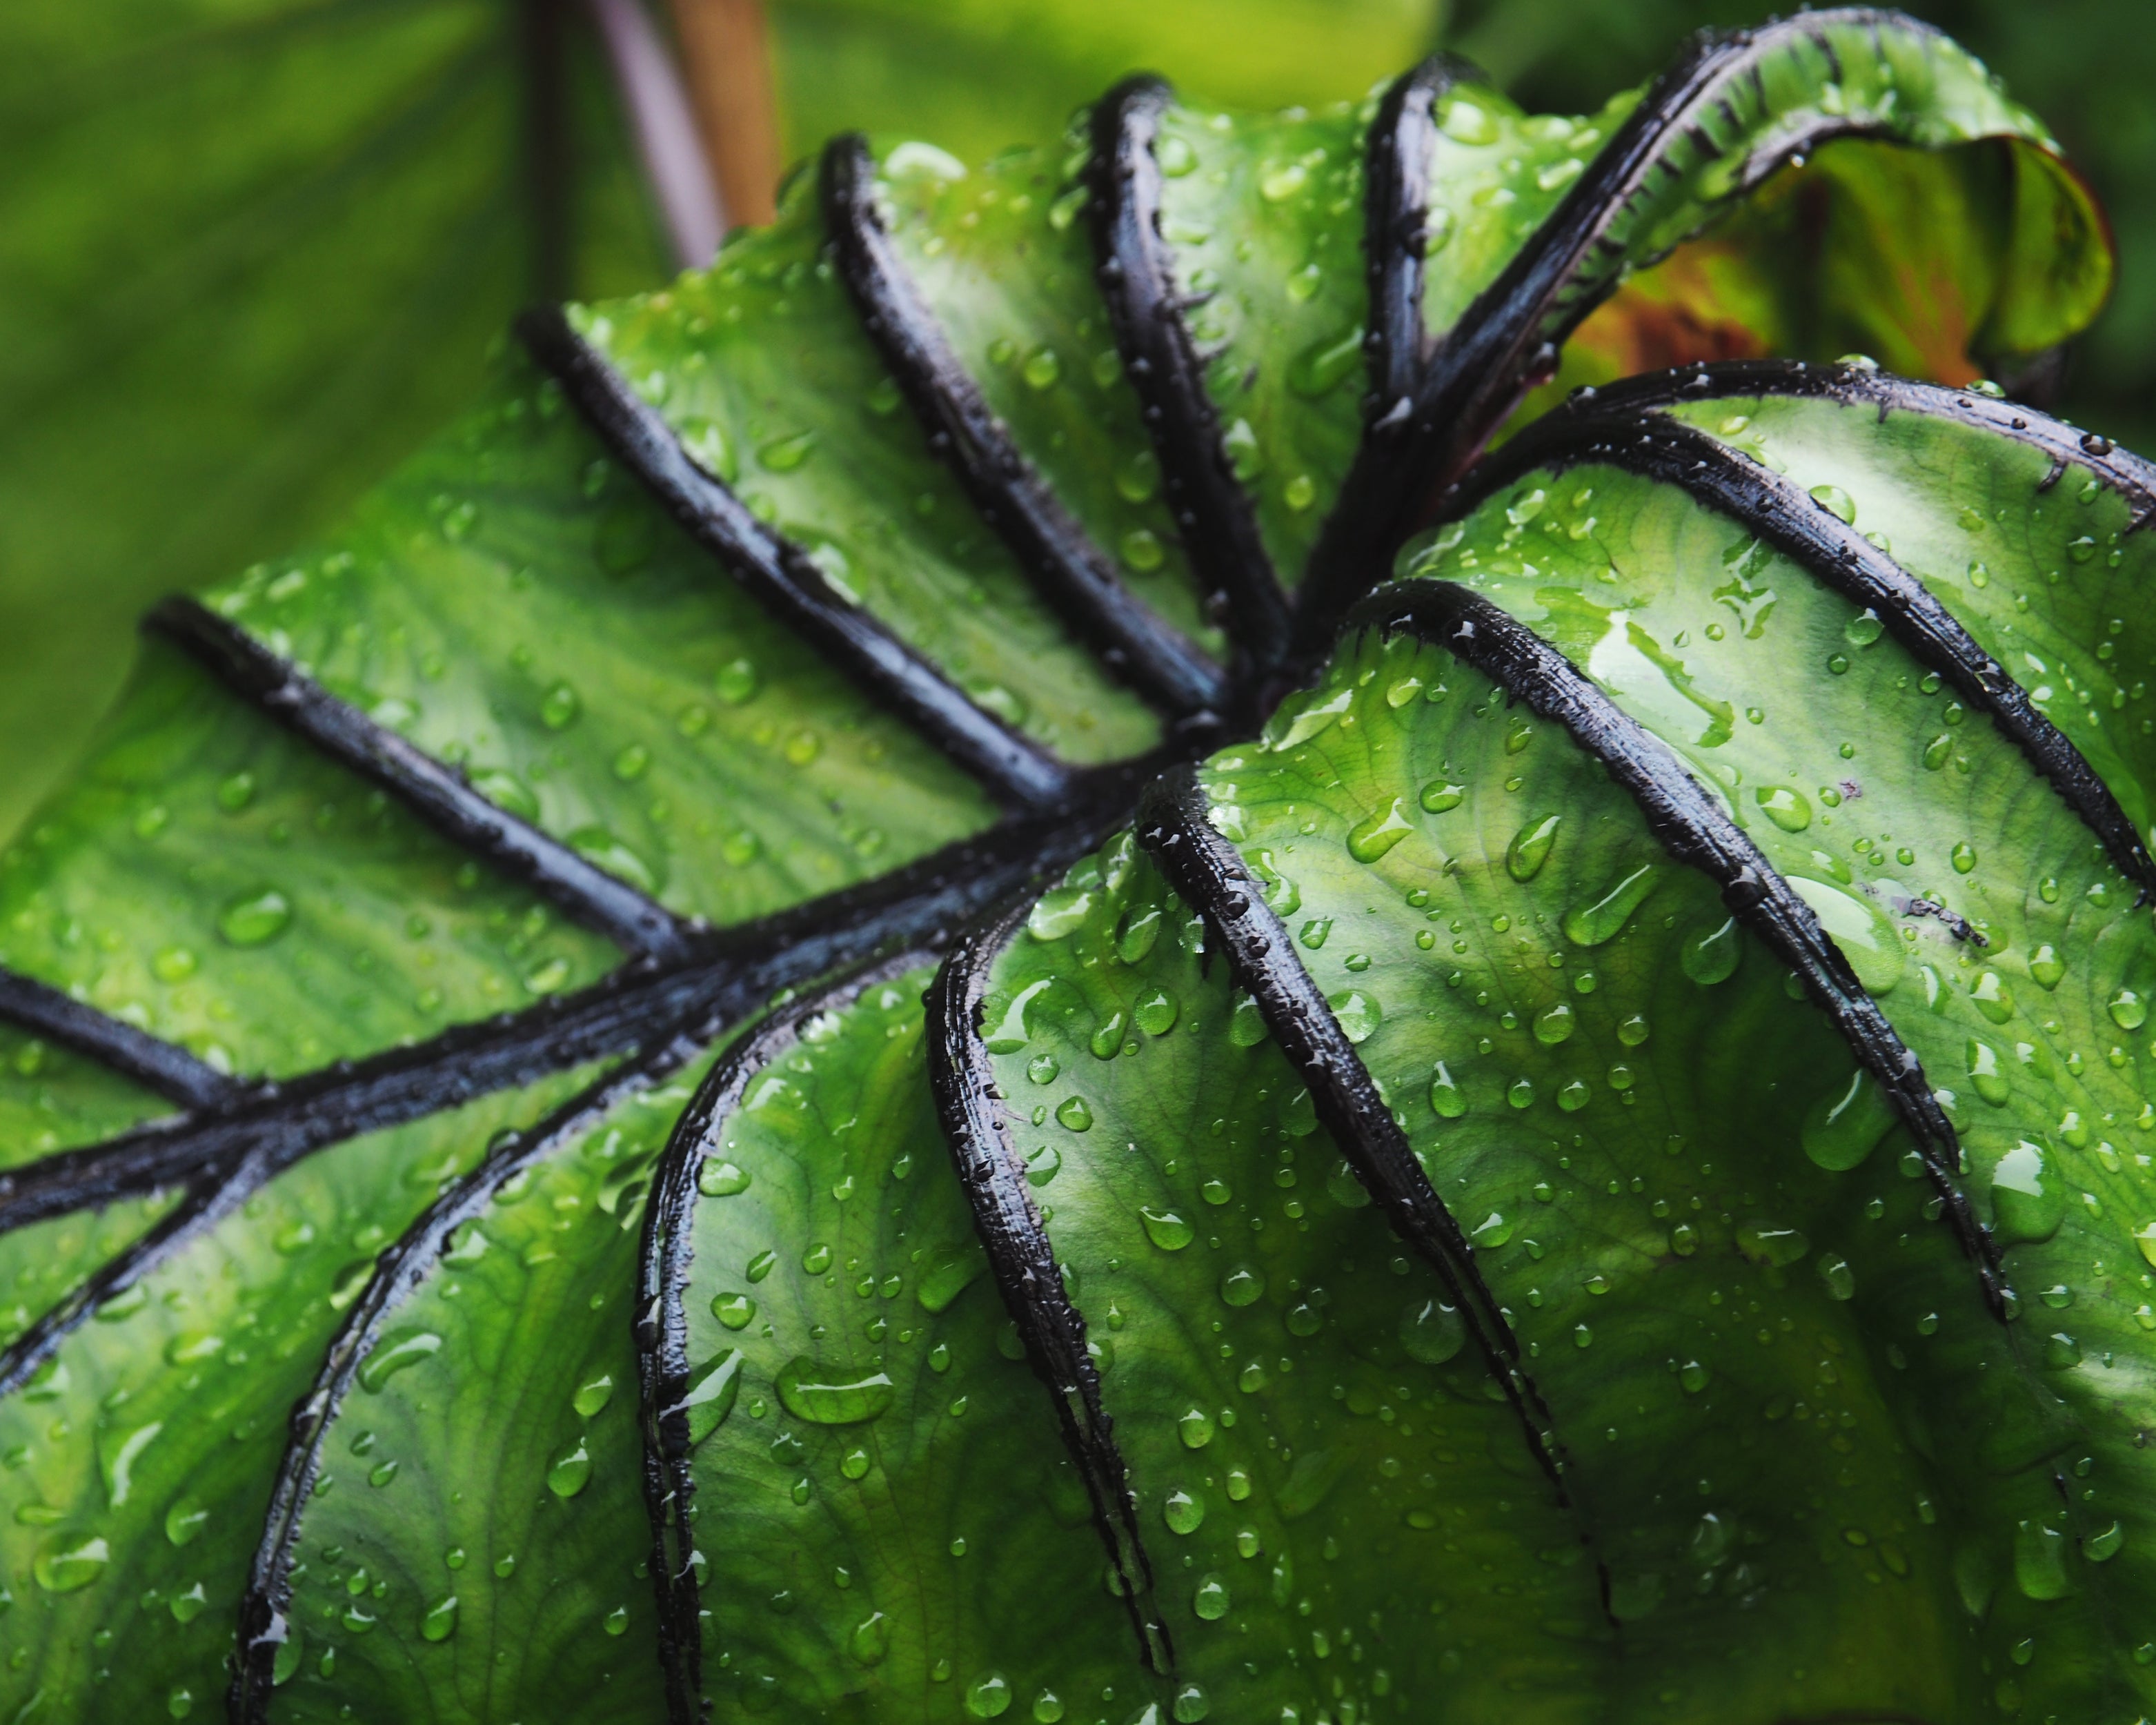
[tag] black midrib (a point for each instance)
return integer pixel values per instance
(663, 1364)
(264, 1612)
(1697, 833)
(1008, 1224)
(1791, 521)
(1208, 874)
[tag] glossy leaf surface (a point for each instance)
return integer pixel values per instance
(1517, 1182)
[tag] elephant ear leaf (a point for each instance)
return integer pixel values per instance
(1145, 1287)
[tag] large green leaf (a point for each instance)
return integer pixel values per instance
(1383, 1227)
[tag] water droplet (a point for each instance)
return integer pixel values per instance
(987, 1697)
(1137, 478)
(1530, 848)
(569, 1472)
(717, 1177)
(1986, 1077)
(827, 1399)
(1156, 1013)
(2028, 1199)
(1183, 1510)
(736, 681)
(2040, 1562)
(1441, 794)
(870, 1639)
(1841, 1128)
(1554, 1024)
(1326, 363)
(184, 1521)
(1693, 1377)
(2128, 1010)
(950, 1272)
(1789, 809)
(1107, 1039)
(1375, 834)
(1282, 180)
(591, 1398)
(1195, 1428)
(709, 1394)
(68, 1563)
(1595, 923)
(1166, 1229)
(559, 706)
(1210, 1601)
(1836, 502)
(736, 1311)
(1244, 1286)
(761, 1264)
(2047, 967)
(1862, 931)
(1074, 1113)
(1464, 122)
(1962, 857)
(1047, 1706)
(1445, 1096)
(1865, 627)
(1840, 1279)
(2102, 1548)
(393, 1353)
(784, 454)
(1061, 911)
(1993, 997)
(254, 919)
(1358, 1013)
(1142, 550)
(1042, 369)
(440, 1622)
(1765, 1243)
(1431, 1331)
(1710, 953)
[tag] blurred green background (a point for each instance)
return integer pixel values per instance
(251, 251)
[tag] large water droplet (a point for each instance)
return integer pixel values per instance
(1789, 808)
(1841, 1128)
(2040, 1562)
(1445, 1096)
(1166, 1229)
(717, 1177)
(2028, 1199)
(832, 1399)
(1431, 1331)
(1601, 919)
(569, 1472)
(1530, 848)
(1183, 1510)
(989, 1696)
(1325, 364)
(440, 1622)
(254, 919)
(68, 1562)
(1992, 997)
(393, 1353)
(1358, 1013)
(1245, 1286)
(1709, 953)
(1863, 932)
(709, 1394)
(1376, 834)
(1986, 1077)
(870, 1639)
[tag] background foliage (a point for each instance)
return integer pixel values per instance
(250, 250)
